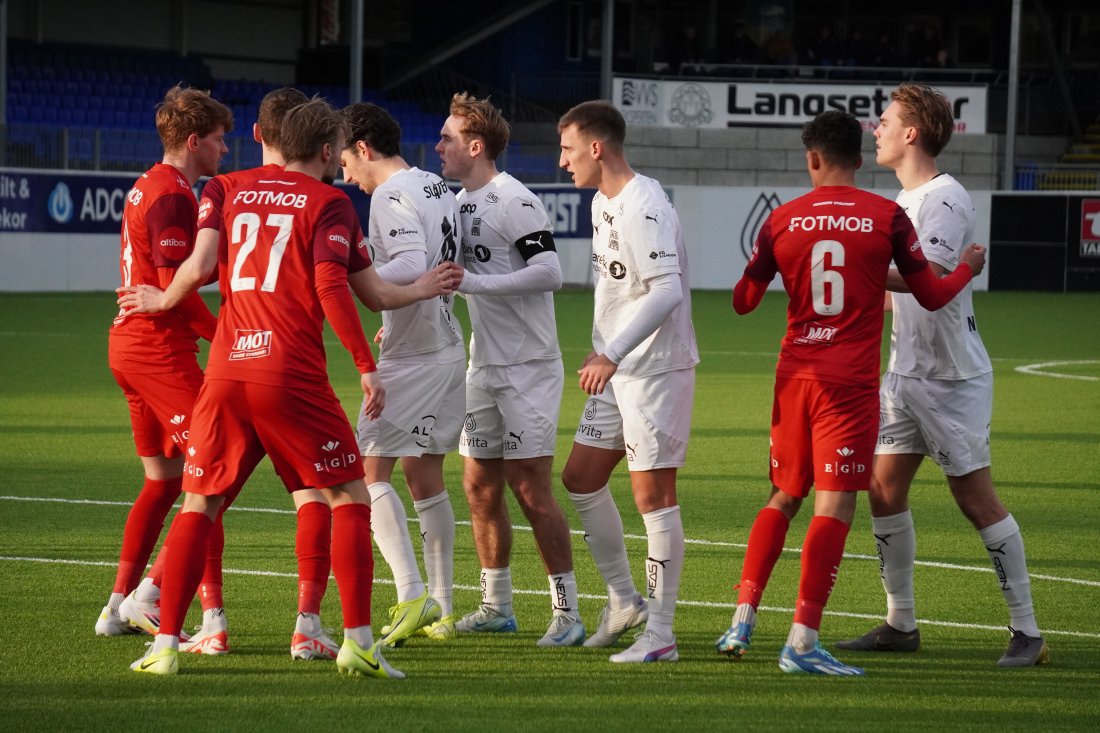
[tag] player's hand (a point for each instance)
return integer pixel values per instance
(974, 255)
(434, 282)
(596, 373)
(378, 336)
(456, 271)
(140, 299)
(375, 394)
(591, 355)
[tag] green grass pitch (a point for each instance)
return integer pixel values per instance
(68, 473)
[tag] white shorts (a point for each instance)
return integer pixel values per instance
(947, 420)
(512, 411)
(423, 412)
(648, 417)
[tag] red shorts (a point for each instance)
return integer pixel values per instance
(823, 435)
(304, 431)
(160, 408)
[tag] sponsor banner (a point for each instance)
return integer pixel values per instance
(682, 103)
(92, 203)
(70, 203)
(1090, 228)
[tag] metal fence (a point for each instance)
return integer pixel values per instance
(135, 151)
(1057, 177)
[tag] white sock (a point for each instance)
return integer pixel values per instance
(390, 527)
(744, 614)
(213, 616)
(1006, 549)
(563, 593)
(307, 623)
(603, 531)
(437, 528)
(147, 592)
(663, 566)
(165, 641)
(361, 635)
(496, 589)
(802, 638)
(896, 543)
(115, 601)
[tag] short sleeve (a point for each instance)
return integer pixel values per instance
(398, 222)
(337, 233)
(905, 244)
(943, 223)
(210, 205)
(170, 223)
(652, 234)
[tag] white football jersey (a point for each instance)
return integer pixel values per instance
(637, 236)
(415, 210)
(503, 226)
(941, 344)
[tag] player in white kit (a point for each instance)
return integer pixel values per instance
(413, 227)
(937, 393)
(514, 382)
(640, 377)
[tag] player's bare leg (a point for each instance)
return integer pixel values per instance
(896, 545)
(978, 500)
(530, 482)
(586, 475)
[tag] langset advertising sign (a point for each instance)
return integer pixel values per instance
(699, 104)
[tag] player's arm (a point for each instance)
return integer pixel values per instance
(759, 272)
(540, 274)
(332, 291)
(180, 282)
(379, 294)
(336, 227)
(663, 295)
(931, 291)
(944, 225)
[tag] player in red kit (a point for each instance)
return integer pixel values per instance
(153, 356)
(288, 242)
(833, 249)
(314, 518)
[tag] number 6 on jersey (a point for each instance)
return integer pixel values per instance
(820, 277)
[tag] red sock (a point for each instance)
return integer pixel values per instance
(143, 526)
(353, 562)
(210, 590)
(765, 545)
(183, 567)
(313, 544)
(821, 555)
(156, 573)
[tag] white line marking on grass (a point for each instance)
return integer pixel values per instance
(588, 596)
(1040, 370)
(580, 533)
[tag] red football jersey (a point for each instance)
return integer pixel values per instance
(158, 230)
(833, 248)
(275, 229)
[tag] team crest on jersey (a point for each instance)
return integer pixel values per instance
(250, 344)
(491, 198)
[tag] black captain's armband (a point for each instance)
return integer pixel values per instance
(532, 244)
